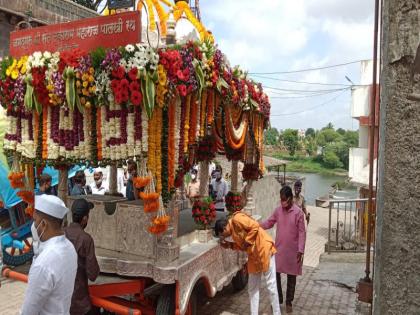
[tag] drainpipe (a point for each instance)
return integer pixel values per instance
(372, 140)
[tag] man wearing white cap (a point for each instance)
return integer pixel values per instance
(53, 271)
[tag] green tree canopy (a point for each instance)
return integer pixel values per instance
(271, 136)
(291, 140)
(310, 132)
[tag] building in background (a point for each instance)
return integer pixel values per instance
(37, 13)
(360, 110)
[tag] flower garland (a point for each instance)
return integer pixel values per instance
(206, 149)
(233, 202)
(203, 104)
(166, 192)
(171, 142)
(193, 119)
(204, 212)
(187, 122)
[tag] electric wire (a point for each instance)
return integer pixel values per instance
(309, 109)
(308, 69)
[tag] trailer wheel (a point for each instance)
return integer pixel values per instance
(240, 280)
(166, 301)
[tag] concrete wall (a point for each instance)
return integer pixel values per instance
(266, 192)
(397, 263)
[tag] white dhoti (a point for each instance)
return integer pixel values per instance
(254, 284)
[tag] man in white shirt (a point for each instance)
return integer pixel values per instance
(219, 189)
(53, 271)
(98, 186)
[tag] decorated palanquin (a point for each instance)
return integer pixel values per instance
(167, 108)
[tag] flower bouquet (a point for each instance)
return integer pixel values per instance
(251, 172)
(233, 202)
(206, 150)
(204, 212)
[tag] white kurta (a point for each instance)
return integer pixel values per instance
(51, 279)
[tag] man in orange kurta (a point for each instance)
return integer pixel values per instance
(247, 235)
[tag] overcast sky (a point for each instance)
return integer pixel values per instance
(286, 35)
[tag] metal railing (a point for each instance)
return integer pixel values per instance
(347, 225)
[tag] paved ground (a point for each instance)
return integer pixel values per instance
(328, 288)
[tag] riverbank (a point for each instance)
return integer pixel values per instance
(308, 165)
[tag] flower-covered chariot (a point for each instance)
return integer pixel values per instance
(167, 108)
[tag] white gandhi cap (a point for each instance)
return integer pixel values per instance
(51, 205)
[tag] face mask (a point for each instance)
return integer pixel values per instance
(193, 177)
(36, 238)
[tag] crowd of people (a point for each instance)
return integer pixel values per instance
(64, 259)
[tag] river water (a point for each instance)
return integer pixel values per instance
(317, 185)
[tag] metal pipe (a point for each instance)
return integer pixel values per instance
(113, 307)
(7, 273)
(329, 229)
(372, 138)
(337, 226)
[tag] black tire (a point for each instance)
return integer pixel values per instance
(166, 301)
(193, 302)
(16, 260)
(240, 280)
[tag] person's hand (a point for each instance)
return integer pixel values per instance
(299, 258)
(308, 217)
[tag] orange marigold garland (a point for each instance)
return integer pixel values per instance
(99, 133)
(17, 180)
(187, 121)
(45, 132)
(160, 223)
(210, 107)
(193, 119)
(203, 113)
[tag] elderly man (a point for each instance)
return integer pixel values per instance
(53, 271)
(88, 267)
(247, 235)
(98, 187)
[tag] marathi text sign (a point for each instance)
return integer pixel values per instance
(87, 34)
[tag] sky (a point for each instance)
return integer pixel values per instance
(266, 36)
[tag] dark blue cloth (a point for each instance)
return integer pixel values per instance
(129, 190)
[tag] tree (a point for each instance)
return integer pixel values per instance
(310, 132)
(291, 140)
(330, 159)
(310, 146)
(328, 126)
(352, 138)
(327, 136)
(271, 136)
(341, 131)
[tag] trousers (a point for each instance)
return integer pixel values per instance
(254, 284)
(290, 291)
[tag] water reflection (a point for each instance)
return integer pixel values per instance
(317, 185)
